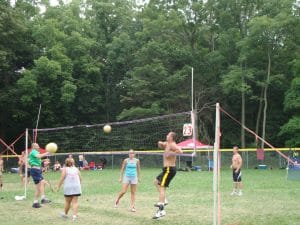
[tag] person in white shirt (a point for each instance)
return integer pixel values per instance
(70, 177)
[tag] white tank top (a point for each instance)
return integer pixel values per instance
(72, 181)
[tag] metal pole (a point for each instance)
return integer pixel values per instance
(26, 162)
(37, 123)
(194, 134)
(193, 115)
(216, 212)
(192, 89)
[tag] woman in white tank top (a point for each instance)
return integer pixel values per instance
(70, 176)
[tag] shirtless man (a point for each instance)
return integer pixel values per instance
(236, 166)
(168, 172)
(22, 164)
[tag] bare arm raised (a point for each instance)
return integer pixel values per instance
(162, 144)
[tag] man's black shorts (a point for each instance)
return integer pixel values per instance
(165, 177)
(237, 176)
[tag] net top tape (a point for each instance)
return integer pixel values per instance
(114, 123)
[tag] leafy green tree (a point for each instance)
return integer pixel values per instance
(266, 41)
(160, 66)
(290, 130)
(16, 52)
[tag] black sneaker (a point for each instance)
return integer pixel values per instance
(160, 206)
(36, 205)
(45, 201)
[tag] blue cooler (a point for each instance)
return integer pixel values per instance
(262, 167)
(197, 168)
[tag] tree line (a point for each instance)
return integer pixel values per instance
(93, 61)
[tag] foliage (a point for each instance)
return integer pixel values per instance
(88, 61)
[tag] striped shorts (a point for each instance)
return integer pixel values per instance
(237, 176)
(165, 177)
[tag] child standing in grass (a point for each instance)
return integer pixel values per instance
(70, 176)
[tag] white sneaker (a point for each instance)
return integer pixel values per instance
(233, 193)
(240, 193)
(166, 202)
(74, 217)
(159, 213)
(63, 215)
(133, 209)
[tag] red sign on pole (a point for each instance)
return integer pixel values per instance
(187, 129)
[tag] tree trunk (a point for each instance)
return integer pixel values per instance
(266, 100)
(107, 98)
(259, 115)
(243, 114)
(2, 126)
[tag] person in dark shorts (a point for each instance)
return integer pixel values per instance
(35, 163)
(80, 162)
(163, 180)
(70, 177)
(236, 166)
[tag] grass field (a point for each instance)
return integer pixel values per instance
(268, 199)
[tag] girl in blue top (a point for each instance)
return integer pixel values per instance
(130, 174)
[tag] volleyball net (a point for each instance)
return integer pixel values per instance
(141, 135)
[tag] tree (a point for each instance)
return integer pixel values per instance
(266, 41)
(16, 52)
(291, 129)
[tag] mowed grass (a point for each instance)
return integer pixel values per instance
(268, 199)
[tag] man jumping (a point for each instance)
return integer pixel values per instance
(168, 172)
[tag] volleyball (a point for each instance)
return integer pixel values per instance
(51, 147)
(107, 128)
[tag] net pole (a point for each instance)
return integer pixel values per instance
(287, 170)
(37, 124)
(193, 114)
(216, 169)
(219, 169)
(26, 164)
(192, 90)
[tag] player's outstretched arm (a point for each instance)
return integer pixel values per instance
(162, 144)
(43, 155)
